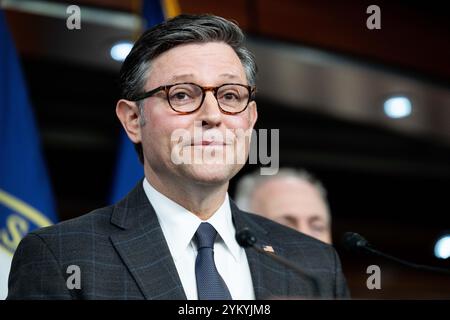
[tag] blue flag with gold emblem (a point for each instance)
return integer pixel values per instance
(129, 171)
(26, 201)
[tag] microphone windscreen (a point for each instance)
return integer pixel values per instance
(354, 241)
(245, 238)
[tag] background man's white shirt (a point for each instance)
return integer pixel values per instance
(179, 226)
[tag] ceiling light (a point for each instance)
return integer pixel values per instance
(397, 107)
(120, 50)
(442, 247)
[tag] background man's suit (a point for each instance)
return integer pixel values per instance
(122, 254)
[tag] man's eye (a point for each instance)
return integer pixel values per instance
(318, 228)
(180, 96)
(230, 96)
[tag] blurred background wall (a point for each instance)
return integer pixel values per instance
(324, 78)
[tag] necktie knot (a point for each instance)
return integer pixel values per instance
(205, 236)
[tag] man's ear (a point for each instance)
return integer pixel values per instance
(253, 113)
(128, 114)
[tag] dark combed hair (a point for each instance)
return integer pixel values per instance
(180, 30)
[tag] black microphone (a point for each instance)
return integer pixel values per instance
(357, 243)
(247, 239)
(354, 241)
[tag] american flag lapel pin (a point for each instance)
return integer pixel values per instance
(268, 249)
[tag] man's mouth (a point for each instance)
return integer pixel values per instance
(209, 143)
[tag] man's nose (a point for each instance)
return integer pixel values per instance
(210, 115)
(303, 229)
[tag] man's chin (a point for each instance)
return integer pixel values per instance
(211, 174)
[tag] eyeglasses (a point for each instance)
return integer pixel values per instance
(186, 98)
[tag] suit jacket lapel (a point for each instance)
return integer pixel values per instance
(143, 248)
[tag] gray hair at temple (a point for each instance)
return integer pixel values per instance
(249, 183)
(182, 29)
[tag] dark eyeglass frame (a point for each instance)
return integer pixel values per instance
(166, 88)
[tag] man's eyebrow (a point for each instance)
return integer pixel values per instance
(317, 218)
(229, 75)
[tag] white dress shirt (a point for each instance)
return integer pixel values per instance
(179, 226)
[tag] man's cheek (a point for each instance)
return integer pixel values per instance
(180, 139)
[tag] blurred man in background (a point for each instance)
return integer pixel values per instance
(293, 197)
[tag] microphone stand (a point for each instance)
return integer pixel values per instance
(355, 242)
(407, 263)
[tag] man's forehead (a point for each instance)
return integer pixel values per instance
(188, 61)
(284, 191)
(220, 51)
(198, 54)
(190, 76)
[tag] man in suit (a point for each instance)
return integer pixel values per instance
(188, 89)
(292, 197)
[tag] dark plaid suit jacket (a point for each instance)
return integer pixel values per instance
(122, 254)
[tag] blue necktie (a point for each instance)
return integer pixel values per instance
(210, 285)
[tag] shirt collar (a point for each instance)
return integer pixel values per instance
(179, 224)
